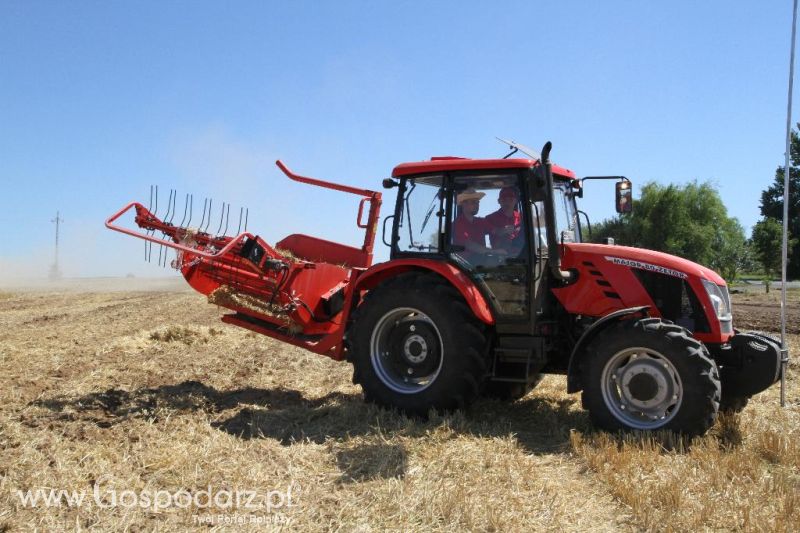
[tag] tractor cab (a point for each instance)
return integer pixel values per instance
(488, 218)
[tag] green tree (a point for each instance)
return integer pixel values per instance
(689, 221)
(616, 227)
(767, 241)
(772, 202)
(733, 252)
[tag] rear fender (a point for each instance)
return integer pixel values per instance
(380, 272)
(574, 383)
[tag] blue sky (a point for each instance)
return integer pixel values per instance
(98, 100)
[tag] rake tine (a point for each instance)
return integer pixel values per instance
(191, 206)
(169, 205)
(155, 211)
(203, 219)
(170, 208)
(174, 201)
(239, 227)
(148, 252)
(221, 218)
(210, 201)
(246, 214)
(166, 253)
(149, 206)
(185, 210)
(227, 216)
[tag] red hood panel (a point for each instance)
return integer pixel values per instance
(648, 258)
(607, 282)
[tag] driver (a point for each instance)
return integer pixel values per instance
(470, 230)
(506, 222)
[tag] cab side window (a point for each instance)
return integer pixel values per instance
(488, 233)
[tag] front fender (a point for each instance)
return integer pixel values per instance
(382, 271)
(575, 358)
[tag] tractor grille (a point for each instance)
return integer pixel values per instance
(675, 300)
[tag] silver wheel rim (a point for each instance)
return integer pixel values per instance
(406, 350)
(641, 388)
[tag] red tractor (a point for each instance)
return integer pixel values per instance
(471, 304)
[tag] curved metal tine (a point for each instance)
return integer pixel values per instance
(239, 227)
(149, 204)
(221, 218)
(210, 201)
(191, 205)
(169, 205)
(174, 201)
(154, 212)
(246, 213)
(185, 210)
(227, 216)
(166, 253)
(203, 219)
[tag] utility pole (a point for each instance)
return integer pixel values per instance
(55, 272)
(785, 246)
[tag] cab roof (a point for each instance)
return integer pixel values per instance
(444, 164)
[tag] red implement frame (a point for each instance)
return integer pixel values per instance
(306, 293)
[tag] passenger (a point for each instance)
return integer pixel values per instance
(506, 223)
(470, 230)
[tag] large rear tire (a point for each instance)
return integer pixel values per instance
(650, 375)
(416, 346)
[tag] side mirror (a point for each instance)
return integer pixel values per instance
(389, 183)
(624, 196)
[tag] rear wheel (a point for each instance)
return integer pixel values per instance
(650, 375)
(415, 345)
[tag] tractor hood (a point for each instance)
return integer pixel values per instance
(611, 278)
(642, 259)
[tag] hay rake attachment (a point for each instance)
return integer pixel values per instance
(297, 291)
(186, 222)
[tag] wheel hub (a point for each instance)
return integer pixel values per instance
(641, 387)
(415, 349)
(406, 350)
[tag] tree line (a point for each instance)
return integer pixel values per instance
(691, 221)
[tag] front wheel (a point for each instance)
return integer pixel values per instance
(649, 375)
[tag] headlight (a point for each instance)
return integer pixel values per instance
(720, 300)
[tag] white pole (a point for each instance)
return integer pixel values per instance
(785, 247)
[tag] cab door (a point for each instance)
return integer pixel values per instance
(488, 236)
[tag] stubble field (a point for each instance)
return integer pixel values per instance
(145, 397)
